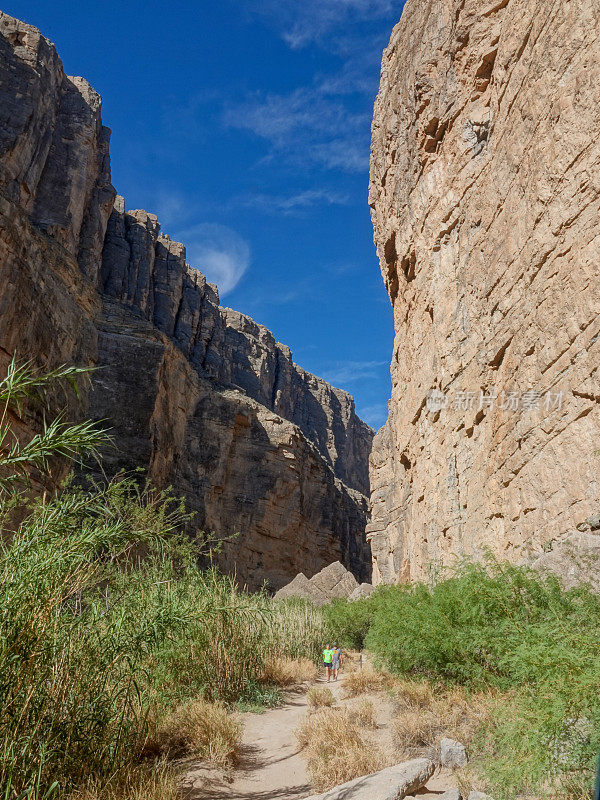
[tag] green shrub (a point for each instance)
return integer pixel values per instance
(74, 637)
(349, 623)
(505, 627)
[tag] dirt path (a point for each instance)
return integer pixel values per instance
(271, 766)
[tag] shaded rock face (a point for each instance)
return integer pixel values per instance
(146, 272)
(485, 196)
(248, 474)
(200, 396)
(50, 130)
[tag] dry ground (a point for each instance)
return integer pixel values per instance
(272, 764)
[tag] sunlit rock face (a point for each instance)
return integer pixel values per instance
(272, 459)
(485, 184)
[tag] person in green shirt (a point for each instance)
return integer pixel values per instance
(328, 661)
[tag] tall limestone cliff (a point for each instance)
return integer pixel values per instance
(485, 197)
(271, 458)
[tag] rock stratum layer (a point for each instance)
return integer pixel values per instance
(200, 396)
(485, 186)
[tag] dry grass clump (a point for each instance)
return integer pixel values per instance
(425, 714)
(283, 671)
(197, 728)
(352, 661)
(413, 694)
(363, 713)
(335, 750)
(148, 782)
(365, 680)
(415, 730)
(320, 697)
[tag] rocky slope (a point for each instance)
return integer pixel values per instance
(485, 196)
(200, 396)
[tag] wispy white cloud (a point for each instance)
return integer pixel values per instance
(260, 300)
(278, 116)
(218, 252)
(342, 268)
(293, 203)
(346, 154)
(302, 22)
(169, 206)
(375, 415)
(349, 372)
(307, 124)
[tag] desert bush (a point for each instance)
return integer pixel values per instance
(497, 628)
(235, 639)
(414, 694)
(335, 750)
(297, 629)
(362, 713)
(349, 623)
(365, 680)
(76, 629)
(320, 697)
(416, 730)
(156, 781)
(424, 713)
(284, 671)
(197, 728)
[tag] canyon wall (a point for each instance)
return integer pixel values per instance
(485, 198)
(271, 458)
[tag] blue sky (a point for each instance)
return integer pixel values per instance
(244, 125)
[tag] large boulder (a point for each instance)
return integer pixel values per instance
(331, 583)
(393, 783)
(362, 591)
(575, 559)
(452, 754)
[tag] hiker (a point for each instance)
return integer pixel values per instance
(328, 661)
(336, 661)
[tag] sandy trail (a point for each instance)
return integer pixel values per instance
(271, 766)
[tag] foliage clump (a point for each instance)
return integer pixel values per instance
(110, 634)
(505, 630)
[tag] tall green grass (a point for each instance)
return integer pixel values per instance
(505, 628)
(106, 621)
